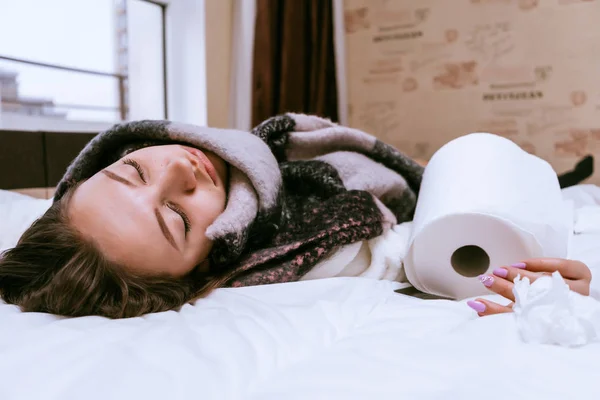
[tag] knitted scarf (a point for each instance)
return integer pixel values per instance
(299, 188)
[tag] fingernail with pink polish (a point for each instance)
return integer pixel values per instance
(476, 305)
(501, 272)
(487, 280)
(519, 265)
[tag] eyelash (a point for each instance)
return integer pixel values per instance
(184, 217)
(138, 167)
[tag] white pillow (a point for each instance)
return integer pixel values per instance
(17, 213)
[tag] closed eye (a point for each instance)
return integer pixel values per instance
(137, 166)
(174, 207)
(183, 215)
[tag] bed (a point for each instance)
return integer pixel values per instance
(342, 338)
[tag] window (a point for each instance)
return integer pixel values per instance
(74, 61)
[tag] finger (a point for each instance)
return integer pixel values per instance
(511, 273)
(568, 268)
(498, 285)
(486, 307)
(579, 286)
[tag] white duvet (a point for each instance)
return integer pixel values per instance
(339, 338)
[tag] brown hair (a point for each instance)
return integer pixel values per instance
(54, 269)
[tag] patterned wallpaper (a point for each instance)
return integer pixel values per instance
(422, 72)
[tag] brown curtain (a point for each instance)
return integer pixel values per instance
(294, 60)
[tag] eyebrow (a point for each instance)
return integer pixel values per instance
(117, 178)
(161, 221)
(164, 228)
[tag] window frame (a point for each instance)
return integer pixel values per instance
(339, 43)
(186, 60)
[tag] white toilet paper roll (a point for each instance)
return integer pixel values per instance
(483, 203)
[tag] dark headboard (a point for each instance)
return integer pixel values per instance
(37, 159)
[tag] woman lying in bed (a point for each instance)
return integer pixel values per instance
(152, 215)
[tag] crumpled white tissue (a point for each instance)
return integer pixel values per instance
(548, 312)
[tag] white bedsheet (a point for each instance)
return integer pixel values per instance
(340, 338)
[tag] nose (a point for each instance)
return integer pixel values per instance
(179, 176)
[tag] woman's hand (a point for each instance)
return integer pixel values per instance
(575, 273)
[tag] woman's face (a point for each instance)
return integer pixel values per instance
(150, 210)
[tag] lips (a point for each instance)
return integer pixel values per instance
(208, 166)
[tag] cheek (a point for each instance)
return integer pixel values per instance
(208, 206)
